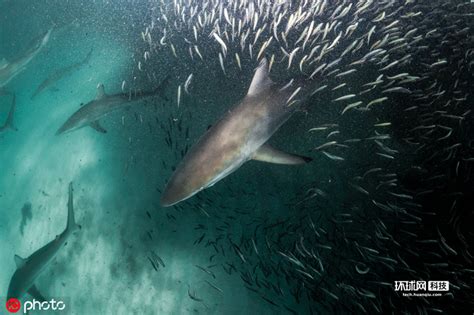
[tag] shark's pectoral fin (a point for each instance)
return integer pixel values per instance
(268, 154)
(36, 294)
(20, 262)
(96, 125)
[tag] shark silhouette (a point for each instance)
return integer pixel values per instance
(240, 135)
(28, 269)
(10, 69)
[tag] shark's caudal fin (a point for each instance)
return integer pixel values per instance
(261, 80)
(9, 120)
(71, 221)
(268, 154)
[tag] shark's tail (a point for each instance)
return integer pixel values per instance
(71, 221)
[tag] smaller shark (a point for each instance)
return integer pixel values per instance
(61, 73)
(10, 69)
(9, 121)
(101, 106)
(28, 269)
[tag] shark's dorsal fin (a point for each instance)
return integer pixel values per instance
(100, 92)
(266, 153)
(36, 294)
(20, 262)
(3, 63)
(261, 79)
(97, 127)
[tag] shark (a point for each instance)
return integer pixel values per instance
(61, 73)
(10, 69)
(101, 106)
(28, 269)
(9, 121)
(239, 136)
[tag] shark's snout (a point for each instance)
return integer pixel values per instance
(61, 130)
(66, 128)
(177, 189)
(170, 196)
(166, 200)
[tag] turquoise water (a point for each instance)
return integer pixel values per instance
(385, 198)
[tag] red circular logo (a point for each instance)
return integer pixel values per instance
(13, 305)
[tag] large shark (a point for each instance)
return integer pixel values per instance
(101, 106)
(28, 269)
(240, 135)
(9, 121)
(9, 69)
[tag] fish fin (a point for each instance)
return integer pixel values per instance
(96, 125)
(100, 92)
(71, 221)
(266, 153)
(261, 79)
(20, 262)
(3, 63)
(36, 294)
